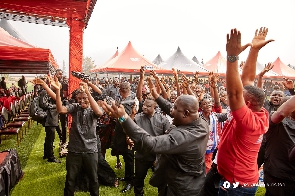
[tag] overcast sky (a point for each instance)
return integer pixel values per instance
(155, 27)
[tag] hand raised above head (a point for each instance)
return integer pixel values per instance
(142, 71)
(174, 71)
(150, 83)
(242, 64)
(214, 78)
(84, 87)
(56, 84)
(288, 83)
(210, 75)
(154, 74)
(233, 45)
(259, 38)
(268, 67)
(38, 81)
(185, 81)
(113, 110)
(196, 74)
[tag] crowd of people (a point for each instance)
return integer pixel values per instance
(200, 136)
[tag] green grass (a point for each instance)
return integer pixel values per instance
(44, 178)
(47, 179)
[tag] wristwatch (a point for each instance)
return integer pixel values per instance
(122, 118)
(232, 58)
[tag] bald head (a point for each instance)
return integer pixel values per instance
(185, 110)
(189, 102)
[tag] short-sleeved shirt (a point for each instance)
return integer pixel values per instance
(82, 138)
(239, 145)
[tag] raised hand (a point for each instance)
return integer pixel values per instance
(242, 65)
(233, 45)
(142, 72)
(174, 71)
(150, 83)
(185, 81)
(196, 75)
(113, 110)
(84, 87)
(154, 74)
(214, 79)
(210, 75)
(266, 68)
(55, 83)
(259, 38)
(38, 81)
(288, 83)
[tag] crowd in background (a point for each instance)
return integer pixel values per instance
(199, 135)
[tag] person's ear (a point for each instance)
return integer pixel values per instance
(248, 103)
(186, 113)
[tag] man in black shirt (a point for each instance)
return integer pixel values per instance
(155, 124)
(3, 83)
(82, 148)
(47, 102)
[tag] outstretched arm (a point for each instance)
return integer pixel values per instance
(45, 86)
(283, 111)
(289, 85)
(176, 81)
(266, 68)
(159, 84)
(152, 88)
(166, 90)
(187, 85)
(59, 107)
(93, 86)
(196, 78)
(140, 84)
(213, 85)
(233, 81)
(93, 104)
(249, 70)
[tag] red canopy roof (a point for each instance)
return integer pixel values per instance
(128, 61)
(217, 64)
(52, 12)
(282, 69)
(17, 56)
(114, 55)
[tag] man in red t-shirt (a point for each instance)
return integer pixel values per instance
(242, 136)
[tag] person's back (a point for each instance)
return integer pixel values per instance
(183, 167)
(242, 136)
